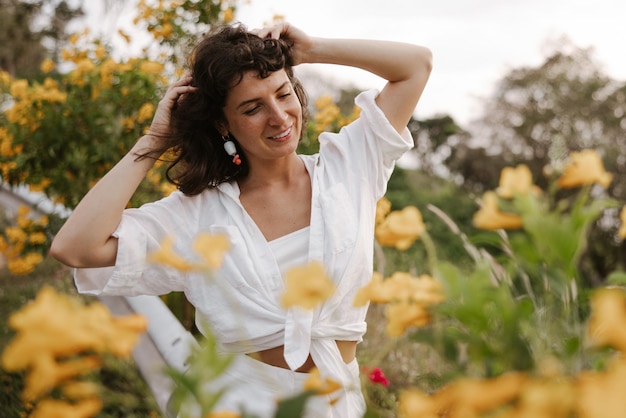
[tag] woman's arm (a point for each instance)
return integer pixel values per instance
(406, 67)
(85, 239)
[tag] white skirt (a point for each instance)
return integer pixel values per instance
(255, 388)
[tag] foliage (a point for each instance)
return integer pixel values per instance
(126, 392)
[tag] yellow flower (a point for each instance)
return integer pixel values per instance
(37, 238)
(489, 216)
(53, 408)
(222, 414)
(100, 52)
(212, 249)
(415, 403)
(47, 373)
(25, 264)
(608, 315)
(602, 394)
(19, 88)
(80, 390)
(5, 78)
(315, 383)
(401, 229)
(307, 286)
(404, 314)
(622, 227)
(585, 167)
(15, 234)
(145, 112)
(375, 291)
(423, 289)
(151, 67)
(383, 207)
(166, 255)
(47, 66)
(229, 15)
(516, 181)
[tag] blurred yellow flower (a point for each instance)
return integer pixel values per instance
(166, 255)
(47, 66)
(375, 291)
(415, 403)
(46, 373)
(584, 167)
(400, 229)
(403, 314)
(383, 207)
(55, 331)
(602, 394)
(608, 316)
(315, 383)
(145, 112)
(489, 216)
(516, 181)
(229, 15)
(5, 78)
(222, 414)
(212, 249)
(622, 227)
(19, 88)
(424, 289)
(53, 408)
(151, 67)
(37, 238)
(25, 264)
(307, 286)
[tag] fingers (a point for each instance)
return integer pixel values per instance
(272, 32)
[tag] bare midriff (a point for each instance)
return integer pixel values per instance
(274, 356)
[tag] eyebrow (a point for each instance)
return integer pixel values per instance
(256, 99)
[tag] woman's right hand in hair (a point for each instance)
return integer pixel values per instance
(160, 126)
(300, 42)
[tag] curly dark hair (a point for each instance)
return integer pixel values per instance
(217, 64)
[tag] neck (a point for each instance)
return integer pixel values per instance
(275, 173)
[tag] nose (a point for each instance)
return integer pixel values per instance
(278, 114)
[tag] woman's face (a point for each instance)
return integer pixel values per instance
(264, 115)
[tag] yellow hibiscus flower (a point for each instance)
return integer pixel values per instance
(516, 181)
(315, 383)
(489, 216)
(585, 167)
(212, 249)
(608, 315)
(307, 286)
(401, 229)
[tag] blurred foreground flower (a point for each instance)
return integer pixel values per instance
(408, 298)
(516, 181)
(322, 387)
(400, 229)
(584, 167)
(622, 227)
(307, 286)
(490, 217)
(377, 376)
(59, 339)
(211, 248)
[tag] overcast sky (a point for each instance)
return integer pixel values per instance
(474, 42)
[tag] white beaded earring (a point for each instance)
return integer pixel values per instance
(229, 147)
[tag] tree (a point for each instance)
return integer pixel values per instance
(30, 31)
(537, 117)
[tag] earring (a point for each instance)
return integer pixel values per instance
(229, 147)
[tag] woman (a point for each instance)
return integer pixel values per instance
(236, 122)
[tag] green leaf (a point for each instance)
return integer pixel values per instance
(617, 278)
(293, 407)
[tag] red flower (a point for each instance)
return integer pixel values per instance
(376, 375)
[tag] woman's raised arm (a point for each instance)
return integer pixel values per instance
(405, 66)
(85, 239)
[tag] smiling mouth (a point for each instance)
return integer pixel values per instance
(282, 135)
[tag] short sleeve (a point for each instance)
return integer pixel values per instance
(140, 233)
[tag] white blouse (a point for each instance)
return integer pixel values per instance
(241, 303)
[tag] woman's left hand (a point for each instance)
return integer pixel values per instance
(300, 42)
